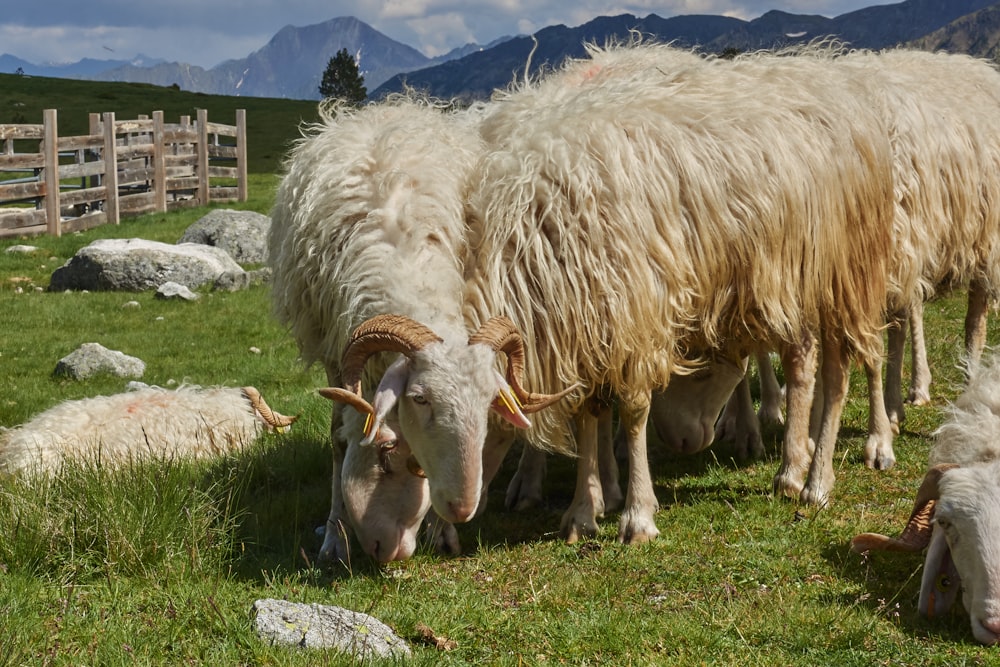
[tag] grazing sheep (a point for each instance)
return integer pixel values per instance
(625, 220)
(945, 143)
(146, 423)
(956, 514)
(366, 248)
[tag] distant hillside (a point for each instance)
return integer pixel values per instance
(477, 75)
(81, 69)
(977, 34)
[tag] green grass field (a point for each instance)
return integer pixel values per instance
(159, 564)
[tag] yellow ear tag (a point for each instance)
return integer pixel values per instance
(369, 422)
(506, 401)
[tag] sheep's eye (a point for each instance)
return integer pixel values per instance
(419, 399)
(943, 582)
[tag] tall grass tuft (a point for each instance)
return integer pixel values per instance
(90, 520)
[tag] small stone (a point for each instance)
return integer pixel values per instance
(311, 626)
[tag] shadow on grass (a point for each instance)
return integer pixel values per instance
(890, 585)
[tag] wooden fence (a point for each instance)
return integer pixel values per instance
(51, 184)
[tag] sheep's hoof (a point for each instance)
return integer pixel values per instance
(443, 536)
(814, 496)
(637, 530)
(574, 529)
(879, 456)
(787, 485)
(334, 548)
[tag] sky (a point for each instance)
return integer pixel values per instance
(208, 32)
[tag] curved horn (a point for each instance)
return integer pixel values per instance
(273, 419)
(502, 335)
(349, 397)
(917, 533)
(382, 333)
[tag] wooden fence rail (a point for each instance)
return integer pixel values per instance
(51, 184)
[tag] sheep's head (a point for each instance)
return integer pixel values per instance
(684, 414)
(957, 517)
(432, 405)
(385, 495)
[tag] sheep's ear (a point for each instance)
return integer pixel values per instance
(507, 405)
(940, 583)
(390, 388)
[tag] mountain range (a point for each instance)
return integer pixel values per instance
(291, 64)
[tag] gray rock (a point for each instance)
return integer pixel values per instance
(93, 358)
(22, 248)
(172, 290)
(243, 234)
(137, 265)
(235, 281)
(323, 626)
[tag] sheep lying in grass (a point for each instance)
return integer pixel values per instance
(147, 423)
(956, 514)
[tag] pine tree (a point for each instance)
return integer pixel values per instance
(342, 80)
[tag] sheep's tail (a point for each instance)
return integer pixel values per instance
(275, 420)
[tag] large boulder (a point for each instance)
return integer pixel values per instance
(92, 359)
(137, 265)
(243, 234)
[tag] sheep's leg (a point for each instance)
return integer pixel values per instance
(742, 424)
(920, 371)
(607, 463)
(726, 425)
(799, 364)
(441, 535)
(580, 520)
(525, 488)
(834, 367)
(335, 539)
(894, 371)
(878, 447)
(975, 320)
(637, 523)
(770, 392)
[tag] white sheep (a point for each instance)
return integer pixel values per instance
(367, 240)
(946, 228)
(956, 514)
(149, 423)
(687, 189)
(632, 217)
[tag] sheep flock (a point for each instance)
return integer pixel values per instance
(621, 234)
(613, 241)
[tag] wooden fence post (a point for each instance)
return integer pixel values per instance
(159, 165)
(110, 169)
(203, 157)
(50, 156)
(242, 190)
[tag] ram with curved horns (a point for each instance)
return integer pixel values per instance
(367, 240)
(956, 513)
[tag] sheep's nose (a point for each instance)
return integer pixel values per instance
(460, 511)
(992, 624)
